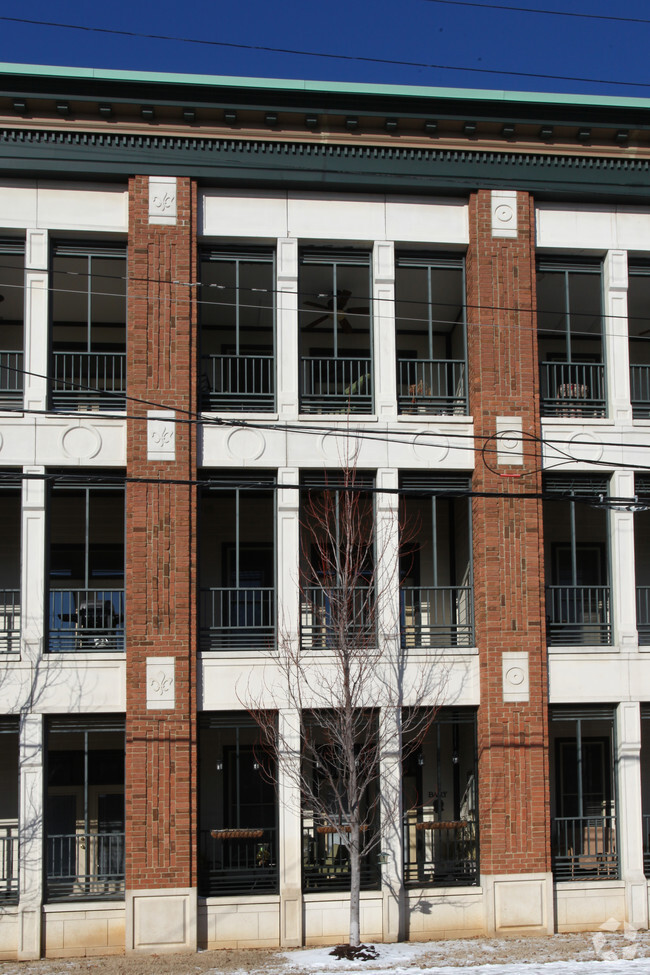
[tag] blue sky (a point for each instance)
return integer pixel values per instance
(424, 31)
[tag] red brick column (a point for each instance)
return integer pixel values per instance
(508, 545)
(161, 547)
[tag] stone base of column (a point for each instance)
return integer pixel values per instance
(394, 914)
(29, 933)
(161, 920)
(636, 901)
(291, 935)
(519, 904)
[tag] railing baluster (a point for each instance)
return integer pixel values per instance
(585, 848)
(237, 617)
(86, 620)
(578, 615)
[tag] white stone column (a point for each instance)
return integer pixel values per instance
(287, 364)
(623, 586)
(383, 328)
(290, 829)
(288, 543)
(36, 319)
(30, 836)
(392, 846)
(32, 577)
(629, 818)
(387, 556)
(388, 618)
(617, 350)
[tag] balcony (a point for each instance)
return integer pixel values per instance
(436, 617)
(86, 620)
(578, 616)
(329, 616)
(335, 385)
(88, 381)
(572, 389)
(85, 866)
(9, 865)
(640, 391)
(11, 380)
(9, 620)
(326, 861)
(237, 618)
(435, 386)
(238, 383)
(439, 852)
(238, 861)
(584, 848)
(643, 614)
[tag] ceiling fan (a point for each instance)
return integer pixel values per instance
(342, 311)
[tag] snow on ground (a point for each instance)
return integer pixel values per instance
(606, 952)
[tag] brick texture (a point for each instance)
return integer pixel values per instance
(161, 546)
(508, 545)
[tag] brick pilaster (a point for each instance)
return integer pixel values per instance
(161, 546)
(508, 544)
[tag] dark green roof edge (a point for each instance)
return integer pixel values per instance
(271, 85)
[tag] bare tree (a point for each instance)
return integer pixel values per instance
(346, 677)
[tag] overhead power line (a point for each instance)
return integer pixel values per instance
(539, 10)
(321, 54)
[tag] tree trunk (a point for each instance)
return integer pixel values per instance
(355, 883)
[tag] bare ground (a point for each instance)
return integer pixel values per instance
(476, 951)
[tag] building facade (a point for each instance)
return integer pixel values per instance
(210, 288)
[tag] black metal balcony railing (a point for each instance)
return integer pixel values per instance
(238, 382)
(335, 385)
(85, 866)
(578, 616)
(440, 616)
(89, 381)
(431, 386)
(9, 620)
(234, 618)
(329, 617)
(86, 620)
(9, 865)
(11, 379)
(238, 861)
(439, 853)
(640, 391)
(326, 861)
(643, 614)
(584, 848)
(573, 389)
(646, 845)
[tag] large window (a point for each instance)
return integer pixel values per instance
(84, 808)
(12, 301)
(570, 327)
(238, 835)
(10, 522)
(430, 323)
(584, 840)
(335, 332)
(439, 785)
(88, 327)
(576, 554)
(9, 781)
(237, 313)
(237, 563)
(337, 569)
(436, 602)
(638, 311)
(86, 567)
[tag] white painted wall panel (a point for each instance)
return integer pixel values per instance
(592, 227)
(98, 208)
(427, 221)
(258, 215)
(326, 217)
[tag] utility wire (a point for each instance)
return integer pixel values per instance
(482, 307)
(538, 10)
(320, 54)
